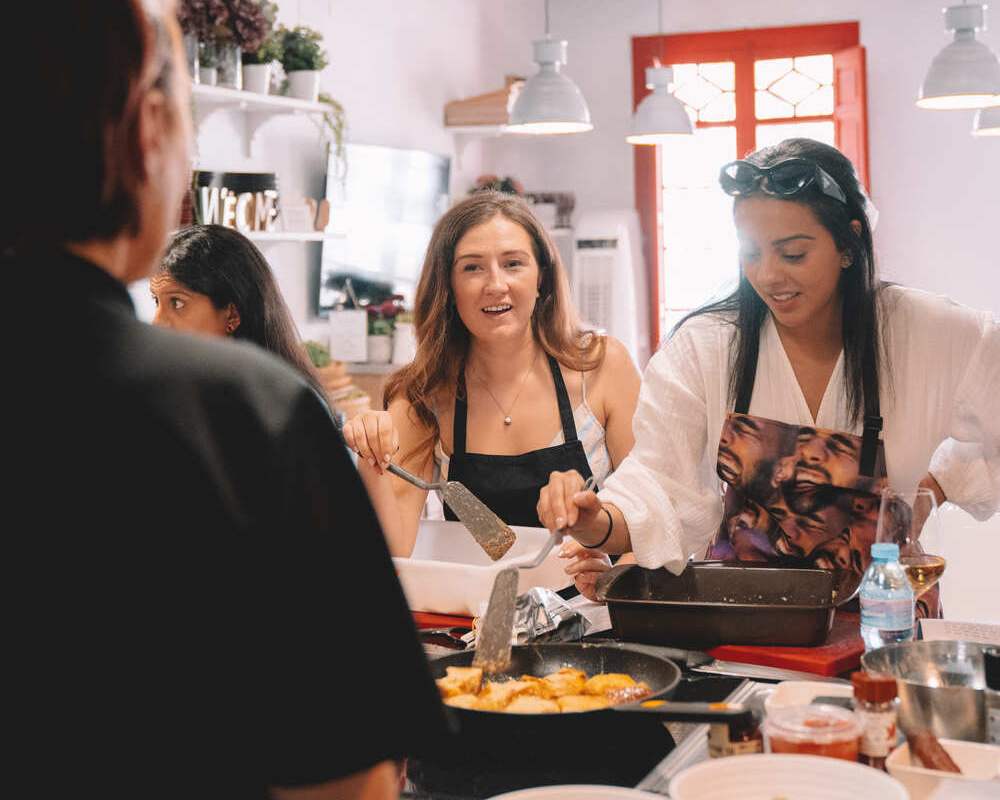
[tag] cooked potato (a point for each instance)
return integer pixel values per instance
(497, 696)
(566, 681)
(461, 700)
(538, 687)
(607, 682)
(528, 704)
(582, 702)
(460, 680)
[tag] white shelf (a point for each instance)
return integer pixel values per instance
(466, 133)
(292, 236)
(256, 108)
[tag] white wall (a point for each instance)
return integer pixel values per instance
(934, 185)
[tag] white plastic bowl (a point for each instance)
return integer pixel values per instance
(767, 776)
(449, 573)
(796, 693)
(578, 792)
(980, 764)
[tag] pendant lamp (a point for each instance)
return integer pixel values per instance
(549, 102)
(966, 73)
(660, 117)
(987, 122)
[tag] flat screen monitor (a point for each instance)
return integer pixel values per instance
(382, 213)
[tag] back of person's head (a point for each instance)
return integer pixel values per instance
(77, 133)
(225, 266)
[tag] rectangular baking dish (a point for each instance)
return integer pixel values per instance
(712, 603)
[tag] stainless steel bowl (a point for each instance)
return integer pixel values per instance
(941, 686)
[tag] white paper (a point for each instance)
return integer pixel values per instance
(349, 335)
(954, 630)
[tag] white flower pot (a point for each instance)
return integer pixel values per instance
(257, 78)
(379, 349)
(304, 84)
(404, 344)
(209, 76)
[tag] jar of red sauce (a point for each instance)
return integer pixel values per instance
(815, 729)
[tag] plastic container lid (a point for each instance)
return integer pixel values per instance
(873, 687)
(991, 667)
(885, 551)
(818, 723)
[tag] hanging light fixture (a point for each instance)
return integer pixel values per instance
(549, 102)
(660, 117)
(987, 122)
(966, 73)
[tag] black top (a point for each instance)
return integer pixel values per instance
(510, 485)
(192, 542)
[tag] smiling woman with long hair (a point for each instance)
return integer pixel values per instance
(506, 386)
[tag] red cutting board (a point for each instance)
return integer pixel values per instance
(841, 652)
(424, 620)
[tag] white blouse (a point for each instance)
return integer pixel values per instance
(941, 379)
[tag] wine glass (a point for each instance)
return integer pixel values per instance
(910, 519)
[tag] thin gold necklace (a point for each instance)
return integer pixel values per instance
(506, 414)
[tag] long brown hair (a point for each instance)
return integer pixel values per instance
(443, 339)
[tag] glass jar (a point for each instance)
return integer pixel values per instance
(876, 704)
(227, 59)
(815, 729)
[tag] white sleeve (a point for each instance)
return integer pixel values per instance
(968, 465)
(666, 487)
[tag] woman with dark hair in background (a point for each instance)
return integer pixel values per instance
(506, 386)
(213, 280)
(189, 526)
(802, 373)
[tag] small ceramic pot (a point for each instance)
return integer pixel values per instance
(257, 78)
(304, 84)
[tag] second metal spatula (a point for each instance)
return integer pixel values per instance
(493, 534)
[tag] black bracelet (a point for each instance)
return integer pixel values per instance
(611, 524)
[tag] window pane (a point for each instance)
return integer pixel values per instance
(794, 87)
(699, 241)
(721, 73)
(772, 134)
(820, 102)
(721, 109)
(769, 70)
(767, 106)
(819, 68)
(706, 90)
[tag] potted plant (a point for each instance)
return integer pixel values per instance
(200, 22)
(260, 52)
(302, 59)
(208, 72)
(333, 127)
(340, 389)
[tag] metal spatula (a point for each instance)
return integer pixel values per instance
(493, 640)
(493, 534)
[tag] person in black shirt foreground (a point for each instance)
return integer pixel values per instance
(185, 537)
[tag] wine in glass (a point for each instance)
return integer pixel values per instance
(911, 520)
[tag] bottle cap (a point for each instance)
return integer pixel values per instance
(873, 687)
(885, 551)
(991, 667)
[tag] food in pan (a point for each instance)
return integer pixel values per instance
(562, 691)
(925, 746)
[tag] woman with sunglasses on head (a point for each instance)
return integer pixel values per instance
(812, 380)
(214, 281)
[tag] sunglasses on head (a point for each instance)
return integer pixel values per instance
(787, 178)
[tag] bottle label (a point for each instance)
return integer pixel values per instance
(879, 734)
(891, 614)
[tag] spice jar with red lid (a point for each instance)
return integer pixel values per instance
(876, 703)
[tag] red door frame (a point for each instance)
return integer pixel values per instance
(743, 47)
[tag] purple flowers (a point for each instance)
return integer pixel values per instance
(243, 21)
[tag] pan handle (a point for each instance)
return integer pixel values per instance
(607, 579)
(729, 713)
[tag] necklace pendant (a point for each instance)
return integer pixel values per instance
(506, 420)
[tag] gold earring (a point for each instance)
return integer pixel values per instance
(846, 261)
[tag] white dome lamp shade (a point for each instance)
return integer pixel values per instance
(966, 73)
(987, 122)
(549, 102)
(660, 117)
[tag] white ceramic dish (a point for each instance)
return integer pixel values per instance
(793, 693)
(768, 776)
(578, 792)
(449, 573)
(980, 764)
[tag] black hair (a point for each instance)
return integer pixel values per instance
(858, 285)
(225, 266)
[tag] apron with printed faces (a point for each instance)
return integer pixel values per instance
(801, 496)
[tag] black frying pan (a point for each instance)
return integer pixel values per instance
(614, 726)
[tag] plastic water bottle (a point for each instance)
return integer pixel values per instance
(886, 599)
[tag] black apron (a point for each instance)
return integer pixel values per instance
(510, 485)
